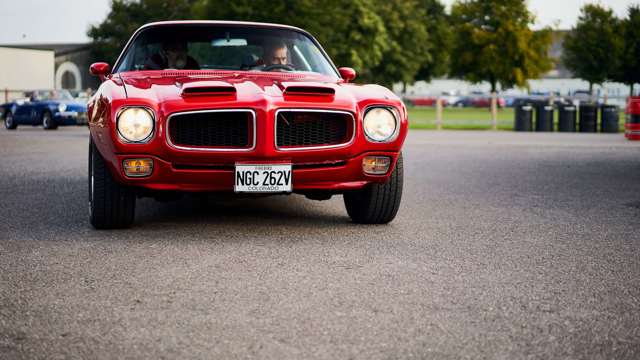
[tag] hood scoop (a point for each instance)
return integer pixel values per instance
(208, 88)
(308, 89)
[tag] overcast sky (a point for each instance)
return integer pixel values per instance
(55, 21)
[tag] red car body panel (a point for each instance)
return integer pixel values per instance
(334, 169)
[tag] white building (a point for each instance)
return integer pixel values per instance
(25, 69)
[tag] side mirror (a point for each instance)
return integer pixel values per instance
(100, 69)
(347, 73)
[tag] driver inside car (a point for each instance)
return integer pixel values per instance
(173, 55)
(277, 57)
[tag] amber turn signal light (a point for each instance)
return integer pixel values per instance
(376, 165)
(137, 167)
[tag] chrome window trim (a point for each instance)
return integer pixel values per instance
(396, 131)
(214, 149)
(322, 147)
(146, 140)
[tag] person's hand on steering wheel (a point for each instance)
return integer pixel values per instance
(279, 67)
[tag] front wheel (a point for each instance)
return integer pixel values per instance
(9, 122)
(48, 123)
(377, 203)
(111, 205)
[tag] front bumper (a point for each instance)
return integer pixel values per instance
(333, 176)
(70, 118)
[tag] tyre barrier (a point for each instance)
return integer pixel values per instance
(544, 118)
(609, 119)
(524, 118)
(632, 119)
(567, 117)
(588, 118)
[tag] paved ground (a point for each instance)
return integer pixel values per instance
(506, 246)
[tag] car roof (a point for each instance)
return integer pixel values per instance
(220, 22)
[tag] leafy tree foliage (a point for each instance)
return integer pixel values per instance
(629, 69)
(593, 49)
(436, 59)
(126, 16)
(385, 41)
(408, 45)
(493, 42)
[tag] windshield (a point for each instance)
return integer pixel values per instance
(224, 47)
(43, 95)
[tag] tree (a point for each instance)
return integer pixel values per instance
(592, 50)
(352, 33)
(629, 66)
(493, 42)
(436, 61)
(110, 36)
(408, 44)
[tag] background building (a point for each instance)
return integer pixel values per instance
(67, 67)
(25, 69)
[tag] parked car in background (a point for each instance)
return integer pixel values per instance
(49, 108)
(426, 100)
(252, 108)
(450, 97)
(479, 100)
(541, 98)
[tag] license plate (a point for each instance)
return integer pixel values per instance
(263, 178)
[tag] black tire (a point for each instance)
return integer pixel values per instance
(48, 123)
(111, 205)
(377, 203)
(9, 121)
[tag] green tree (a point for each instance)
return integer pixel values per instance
(629, 65)
(436, 61)
(110, 36)
(352, 33)
(408, 44)
(493, 41)
(592, 50)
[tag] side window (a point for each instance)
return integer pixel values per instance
(143, 55)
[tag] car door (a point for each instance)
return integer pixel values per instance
(22, 113)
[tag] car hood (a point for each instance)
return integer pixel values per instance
(255, 88)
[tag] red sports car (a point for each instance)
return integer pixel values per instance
(216, 106)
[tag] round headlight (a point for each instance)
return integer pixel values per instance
(62, 107)
(380, 124)
(135, 124)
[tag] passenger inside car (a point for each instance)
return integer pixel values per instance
(173, 55)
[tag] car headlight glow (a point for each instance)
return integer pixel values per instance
(62, 107)
(380, 124)
(135, 124)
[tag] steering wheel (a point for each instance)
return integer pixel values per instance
(282, 67)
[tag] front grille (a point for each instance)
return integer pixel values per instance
(305, 128)
(212, 129)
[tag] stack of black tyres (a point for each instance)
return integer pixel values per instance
(609, 119)
(524, 118)
(588, 118)
(544, 118)
(567, 117)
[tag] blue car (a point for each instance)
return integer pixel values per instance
(49, 108)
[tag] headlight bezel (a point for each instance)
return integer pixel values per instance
(396, 116)
(123, 139)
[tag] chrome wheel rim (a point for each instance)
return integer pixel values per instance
(91, 189)
(8, 121)
(45, 121)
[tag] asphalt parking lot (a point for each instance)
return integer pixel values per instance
(506, 246)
